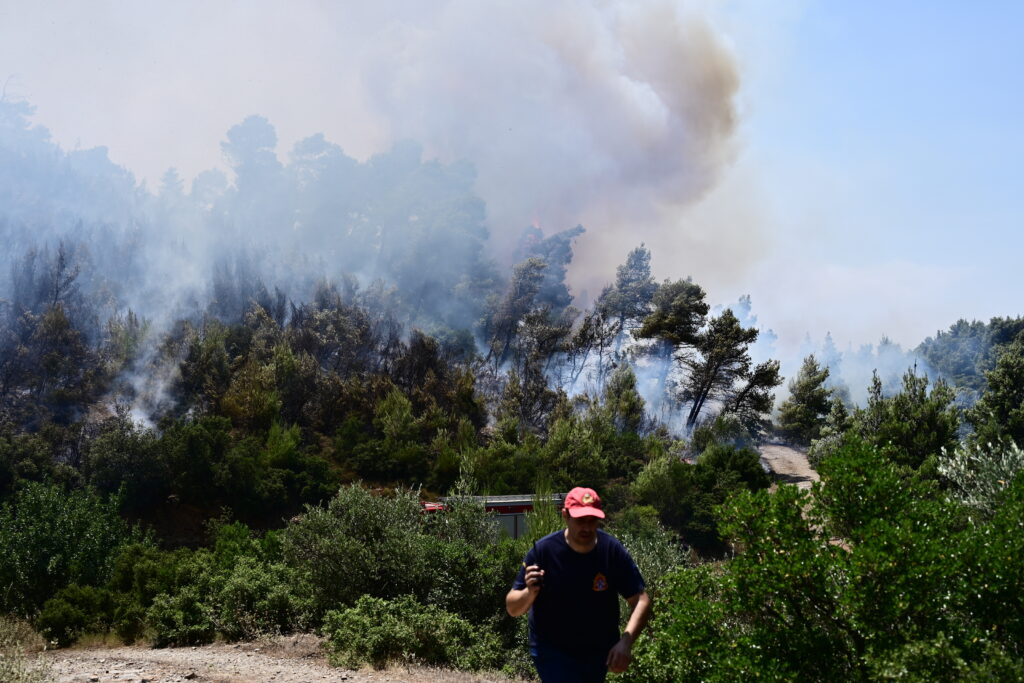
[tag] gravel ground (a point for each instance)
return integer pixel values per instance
(789, 465)
(282, 660)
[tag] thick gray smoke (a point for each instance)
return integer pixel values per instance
(213, 247)
(612, 112)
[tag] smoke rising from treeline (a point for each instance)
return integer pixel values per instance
(612, 114)
(410, 233)
(617, 116)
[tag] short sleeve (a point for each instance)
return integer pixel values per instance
(520, 581)
(630, 581)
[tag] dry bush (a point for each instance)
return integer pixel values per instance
(17, 638)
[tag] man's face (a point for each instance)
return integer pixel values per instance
(582, 530)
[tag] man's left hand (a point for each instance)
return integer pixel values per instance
(621, 654)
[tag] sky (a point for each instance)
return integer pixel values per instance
(854, 167)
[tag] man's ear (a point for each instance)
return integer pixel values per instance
(565, 514)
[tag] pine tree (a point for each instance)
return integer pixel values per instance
(803, 414)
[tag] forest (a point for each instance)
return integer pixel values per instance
(221, 408)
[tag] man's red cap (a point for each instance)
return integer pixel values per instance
(583, 502)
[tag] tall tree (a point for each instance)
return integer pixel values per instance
(678, 315)
(556, 252)
(752, 399)
(679, 310)
(629, 300)
(721, 359)
(501, 321)
(590, 348)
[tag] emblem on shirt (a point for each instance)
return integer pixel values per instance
(600, 582)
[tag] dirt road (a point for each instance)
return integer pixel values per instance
(283, 660)
(789, 465)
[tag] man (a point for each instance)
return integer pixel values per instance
(570, 583)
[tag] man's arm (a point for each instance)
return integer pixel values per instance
(621, 654)
(519, 600)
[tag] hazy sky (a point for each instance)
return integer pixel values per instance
(855, 167)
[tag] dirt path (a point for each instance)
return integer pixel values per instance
(789, 464)
(283, 660)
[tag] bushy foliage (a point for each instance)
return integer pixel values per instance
(24, 457)
(875, 572)
(723, 429)
(833, 431)
(656, 550)
(378, 632)
(51, 538)
(470, 564)
(911, 426)
(141, 572)
(545, 517)
(182, 618)
(510, 462)
(238, 588)
(358, 544)
(258, 478)
(73, 611)
(967, 350)
(257, 599)
(686, 495)
(384, 546)
(125, 457)
(980, 474)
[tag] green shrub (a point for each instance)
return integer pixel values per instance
(129, 622)
(655, 550)
(258, 599)
(379, 632)
(124, 458)
(724, 429)
(463, 519)
(545, 517)
(180, 619)
(979, 475)
(233, 541)
(686, 496)
(874, 571)
(360, 544)
(142, 571)
(727, 461)
(75, 610)
(50, 538)
(689, 632)
(913, 426)
(468, 580)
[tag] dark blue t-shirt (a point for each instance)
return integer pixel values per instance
(577, 609)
